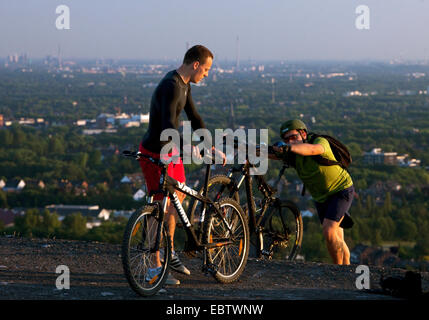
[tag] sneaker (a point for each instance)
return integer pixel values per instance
(172, 281)
(153, 273)
(177, 265)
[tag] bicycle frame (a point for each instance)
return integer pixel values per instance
(168, 187)
(224, 242)
(269, 198)
(248, 181)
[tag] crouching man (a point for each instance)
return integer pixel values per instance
(331, 186)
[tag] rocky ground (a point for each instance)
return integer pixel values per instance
(28, 272)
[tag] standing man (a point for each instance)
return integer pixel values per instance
(330, 186)
(171, 96)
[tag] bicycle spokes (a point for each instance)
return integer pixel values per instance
(227, 242)
(145, 267)
(282, 233)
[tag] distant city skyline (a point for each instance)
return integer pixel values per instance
(270, 30)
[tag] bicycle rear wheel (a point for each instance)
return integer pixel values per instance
(230, 236)
(282, 230)
(219, 186)
(137, 258)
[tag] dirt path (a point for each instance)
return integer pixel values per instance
(27, 271)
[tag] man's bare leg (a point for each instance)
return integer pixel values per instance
(346, 251)
(171, 217)
(170, 220)
(333, 241)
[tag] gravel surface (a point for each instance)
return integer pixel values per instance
(28, 272)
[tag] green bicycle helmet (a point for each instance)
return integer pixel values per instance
(294, 124)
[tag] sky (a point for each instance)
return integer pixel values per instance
(267, 29)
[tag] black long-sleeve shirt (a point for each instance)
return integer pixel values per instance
(171, 96)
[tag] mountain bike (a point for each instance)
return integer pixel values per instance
(224, 236)
(276, 227)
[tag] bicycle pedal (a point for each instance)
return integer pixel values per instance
(209, 268)
(268, 254)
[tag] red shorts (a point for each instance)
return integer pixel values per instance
(152, 172)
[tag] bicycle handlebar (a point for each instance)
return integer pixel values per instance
(246, 144)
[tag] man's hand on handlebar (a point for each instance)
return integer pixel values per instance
(198, 154)
(220, 154)
(279, 151)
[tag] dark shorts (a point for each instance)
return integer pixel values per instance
(336, 207)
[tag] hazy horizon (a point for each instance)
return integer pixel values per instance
(306, 30)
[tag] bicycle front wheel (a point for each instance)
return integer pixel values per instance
(282, 230)
(228, 233)
(138, 255)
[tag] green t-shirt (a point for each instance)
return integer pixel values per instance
(322, 181)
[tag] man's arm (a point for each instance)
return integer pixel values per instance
(307, 149)
(303, 149)
(192, 113)
(169, 97)
(197, 122)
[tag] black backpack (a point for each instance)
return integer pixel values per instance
(408, 287)
(340, 151)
